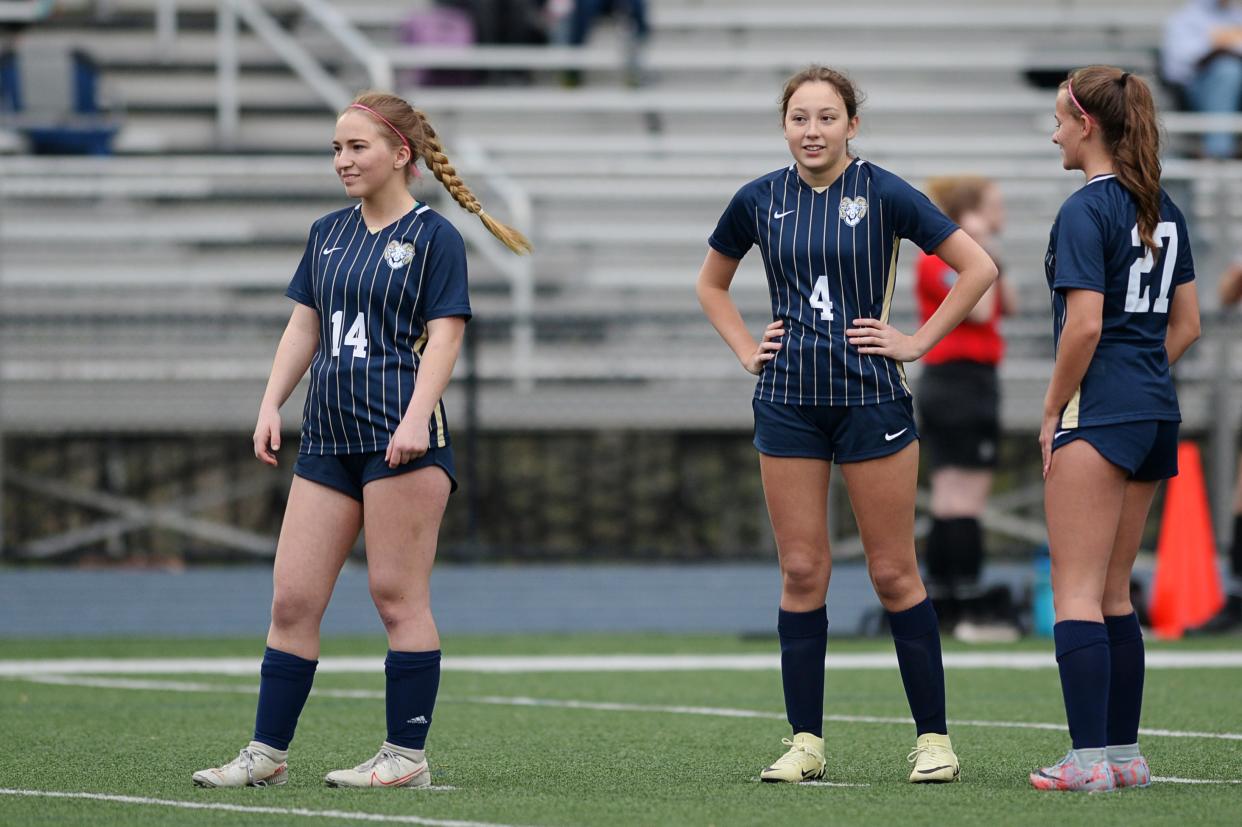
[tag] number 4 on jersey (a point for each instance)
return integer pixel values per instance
(356, 337)
(820, 300)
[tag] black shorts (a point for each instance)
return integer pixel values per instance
(348, 473)
(959, 414)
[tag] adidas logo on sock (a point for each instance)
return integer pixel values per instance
(421, 719)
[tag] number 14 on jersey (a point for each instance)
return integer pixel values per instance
(356, 337)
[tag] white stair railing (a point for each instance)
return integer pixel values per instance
(302, 62)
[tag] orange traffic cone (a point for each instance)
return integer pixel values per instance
(1187, 589)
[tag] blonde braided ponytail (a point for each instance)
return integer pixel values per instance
(403, 125)
(438, 163)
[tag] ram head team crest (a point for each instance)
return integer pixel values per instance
(853, 210)
(398, 254)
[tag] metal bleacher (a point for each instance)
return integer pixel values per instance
(145, 291)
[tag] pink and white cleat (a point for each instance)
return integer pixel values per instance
(1067, 776)
(1132, 773)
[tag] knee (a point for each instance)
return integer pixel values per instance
(291, 609)
(1224, 69)
(894, 580)
(396, 606)
(804, 571)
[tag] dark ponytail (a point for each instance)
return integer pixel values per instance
(1121, 105)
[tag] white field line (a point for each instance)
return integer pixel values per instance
(595, 706)
(592, 663)
(341, 815)
(1194, 780)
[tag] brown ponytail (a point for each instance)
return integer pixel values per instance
(421, 137)
(1121, 104)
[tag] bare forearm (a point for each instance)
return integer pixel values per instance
(293, 356)
(1074, 353)
(1179, 339)
(725, 317)
(985, 308)
(435, 368)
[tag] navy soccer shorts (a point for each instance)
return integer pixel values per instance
(1146, 450)
(348, 473)
(836, 433)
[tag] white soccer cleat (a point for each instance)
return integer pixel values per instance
(257, 765)
(392, 766)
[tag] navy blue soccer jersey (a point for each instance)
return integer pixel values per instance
(375, 293)
(1095, 245)
(831, 257)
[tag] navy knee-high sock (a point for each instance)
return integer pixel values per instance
(1084, 662)
(1125, 679)
(916, 636)
(284, 683)
(413, 678)
(804, 639)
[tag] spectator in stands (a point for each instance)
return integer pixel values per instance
(1202, 54)
(381, 307)
(959, 415)
(831, 389)
(1229, 618)
(581, 20)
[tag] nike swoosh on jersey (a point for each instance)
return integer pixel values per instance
(1059, 434)
(325, 251)
(890, 437)
(782, 214)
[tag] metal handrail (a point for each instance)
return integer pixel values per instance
(302, 62)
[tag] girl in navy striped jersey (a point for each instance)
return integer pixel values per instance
(831, 388)
(381, 309)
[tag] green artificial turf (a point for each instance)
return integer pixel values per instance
(523, 765)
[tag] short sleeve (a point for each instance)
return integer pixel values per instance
(1184, 267)
(913, 215)
(1079, 248)
(444, 290)
(735, 231)
(301, 288)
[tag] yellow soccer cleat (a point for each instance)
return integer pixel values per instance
(934, 760)
(803, 762)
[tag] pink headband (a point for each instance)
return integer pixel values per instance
(1069, 87)
(394, 129)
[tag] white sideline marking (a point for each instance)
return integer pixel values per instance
(592, 663)
(1168, 780)
(595, 706)
(187, 686)
(848, 719)
(238, 808)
